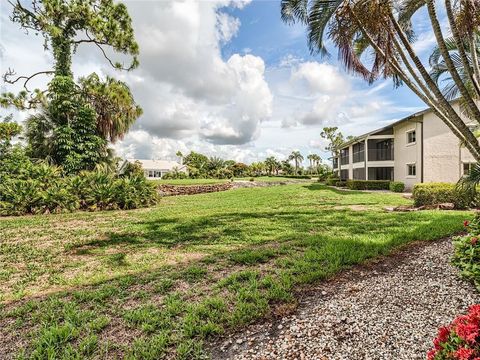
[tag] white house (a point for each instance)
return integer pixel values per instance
(155, 169)
(418, 148)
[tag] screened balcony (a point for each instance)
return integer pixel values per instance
(344, 157)
(358, 152)
(380, 150)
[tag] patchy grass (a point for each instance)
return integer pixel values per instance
(148, 283)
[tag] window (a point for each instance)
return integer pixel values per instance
(150, 173)
(411, 137)
(467, 167)
(157, 174)
(411, 170)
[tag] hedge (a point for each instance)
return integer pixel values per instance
(397, 186)
(332, 181)
(295, 176)
(368, 184)
(437, 193)
(341, 183)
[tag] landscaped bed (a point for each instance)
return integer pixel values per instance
(147, 282)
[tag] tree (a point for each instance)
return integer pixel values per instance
(440, 73)
(287, 167)
(79, 119)
(271, 164)
(335, 138)
(297, 157)
(114, 104)
(384, 30)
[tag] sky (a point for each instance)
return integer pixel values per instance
(228, 79)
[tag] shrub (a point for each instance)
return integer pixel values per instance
(437, 193)
(466, 255)
(332, 181)
(296, 176)
(368, 184)
(397, 186)
(459, 340)
(43, 188)
(341, 183)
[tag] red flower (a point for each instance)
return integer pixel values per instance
(466, 223)
(463, 354)
(467, 331)
(431, 354)
(474, 241)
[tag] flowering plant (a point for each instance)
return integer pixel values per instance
(467, 251)
(460, 340)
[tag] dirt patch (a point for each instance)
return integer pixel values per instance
(353, 207)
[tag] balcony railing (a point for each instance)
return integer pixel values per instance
(359, 156)
(380, 154)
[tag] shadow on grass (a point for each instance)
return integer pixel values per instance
(316, 187)
(319, 245)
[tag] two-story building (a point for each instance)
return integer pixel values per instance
(418, 148)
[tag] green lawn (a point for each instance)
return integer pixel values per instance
(144, 283)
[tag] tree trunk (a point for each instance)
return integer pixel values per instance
(449, 63)
(461, 49)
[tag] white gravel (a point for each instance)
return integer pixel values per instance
(388, 310)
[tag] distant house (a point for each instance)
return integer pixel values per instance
(155, 169)
(418, 148)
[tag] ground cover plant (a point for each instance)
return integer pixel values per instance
(150, 282)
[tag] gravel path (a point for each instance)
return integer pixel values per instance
(387, 310)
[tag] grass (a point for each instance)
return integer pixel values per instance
(151, 283)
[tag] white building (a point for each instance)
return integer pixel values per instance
(419, 148)
(155, 169)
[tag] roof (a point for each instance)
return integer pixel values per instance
(363, 136)
(158, 164)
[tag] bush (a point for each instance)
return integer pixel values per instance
(368, 184)
(466, 255)
(459, 340)
(44, 189)
(332, 181)
(437, 193)
(341, 183)
(397, 186)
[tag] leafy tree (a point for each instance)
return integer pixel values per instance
(287, 167)
(335, 138)
(8, 130)
(75, 121)
(297, 158)
(383, 29)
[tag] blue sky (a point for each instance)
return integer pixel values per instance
(228, 78)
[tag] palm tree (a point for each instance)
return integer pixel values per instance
(316, 160)
(297, 157)
(271, 164)
(440, 72)
(310, 159)
(384, 29)
(179, 154)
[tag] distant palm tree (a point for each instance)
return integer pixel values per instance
(180, 155)
(271, 164)
(316, 159)
(310, 159)
(297, 157)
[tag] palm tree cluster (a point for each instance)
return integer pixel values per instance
(375, 39)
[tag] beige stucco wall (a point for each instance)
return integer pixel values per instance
(441, 151)
(407, 153)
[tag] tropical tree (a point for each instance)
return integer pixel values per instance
(271, 164)
(286, 167)
(77, 120)
(297, 158)
(384, 30)
(439, 70)
(335, 138)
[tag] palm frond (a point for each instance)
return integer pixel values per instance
(294, 10)
(319, 15)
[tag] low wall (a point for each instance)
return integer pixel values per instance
(174, 190)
